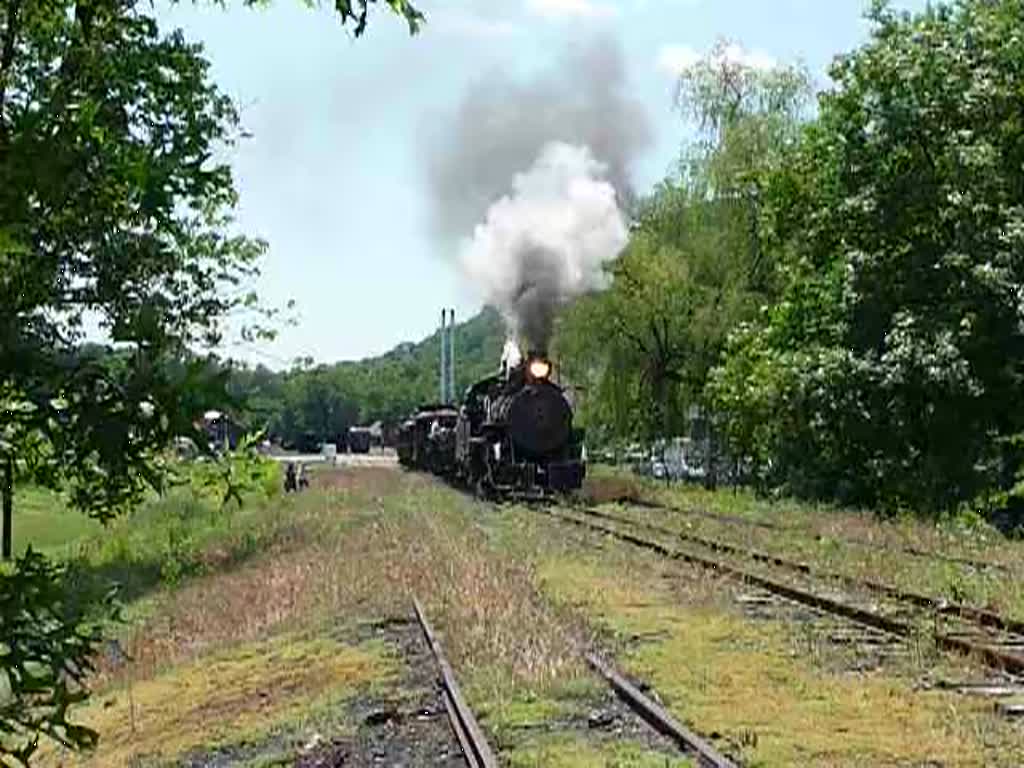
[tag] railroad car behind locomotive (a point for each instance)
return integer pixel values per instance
(427, 440)
(359, 439)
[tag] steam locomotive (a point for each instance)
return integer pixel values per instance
(513, 436)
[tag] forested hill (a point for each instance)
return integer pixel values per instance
(325, 399)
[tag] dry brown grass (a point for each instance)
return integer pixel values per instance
(227, 608)
(362, 551)
(369, 481)
(602, 486)
(484, 604)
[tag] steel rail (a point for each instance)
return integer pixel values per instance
(938, 605)
(992, 657)
(658, 717)
(477, 751)
(905, 548)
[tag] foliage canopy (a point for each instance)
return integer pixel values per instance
(115, 217)
(890, 370)
(695, 265)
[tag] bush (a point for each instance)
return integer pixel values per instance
(50, 631)
(235, 475)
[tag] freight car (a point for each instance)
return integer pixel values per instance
(359, 440)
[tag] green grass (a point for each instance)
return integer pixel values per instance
(572, 751)
(41, 519)
(237, 696)
(771, 702)
(850, 542)
(254, 599)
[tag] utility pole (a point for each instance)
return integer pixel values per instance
(451, 360)
(444, 358)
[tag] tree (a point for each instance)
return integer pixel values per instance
(747, 116)
(644, 346)
(114, 216)
(694, 267)
(43, 678)
(326, 399)
(896, 350)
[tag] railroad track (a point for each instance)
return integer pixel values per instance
(998, 653)
(980, 616)
(478, 752)
(866, 544)
(474, 745)
(658, 717)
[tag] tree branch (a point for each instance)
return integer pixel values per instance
(7, 46)
(620, 326)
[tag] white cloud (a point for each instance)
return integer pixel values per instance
(560, 9)
(473, 26)
(676, 59)
(737, 54)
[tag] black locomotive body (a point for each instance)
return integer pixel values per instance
(512, 436)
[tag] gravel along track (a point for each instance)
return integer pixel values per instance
(400, 727)
(981, 634)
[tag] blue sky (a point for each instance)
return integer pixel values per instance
(332, 177)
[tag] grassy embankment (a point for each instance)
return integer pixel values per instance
(42, 520)
(774, 692)
(244, 639)
(242, 627)
(844, 541)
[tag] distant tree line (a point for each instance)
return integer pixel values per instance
(324, 400)
(838, 281)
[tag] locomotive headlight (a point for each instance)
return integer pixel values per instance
(539, 369)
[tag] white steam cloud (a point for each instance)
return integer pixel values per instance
(545, 242)
(527, 179)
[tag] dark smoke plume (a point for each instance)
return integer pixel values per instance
(502, 123)
(527, 180)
